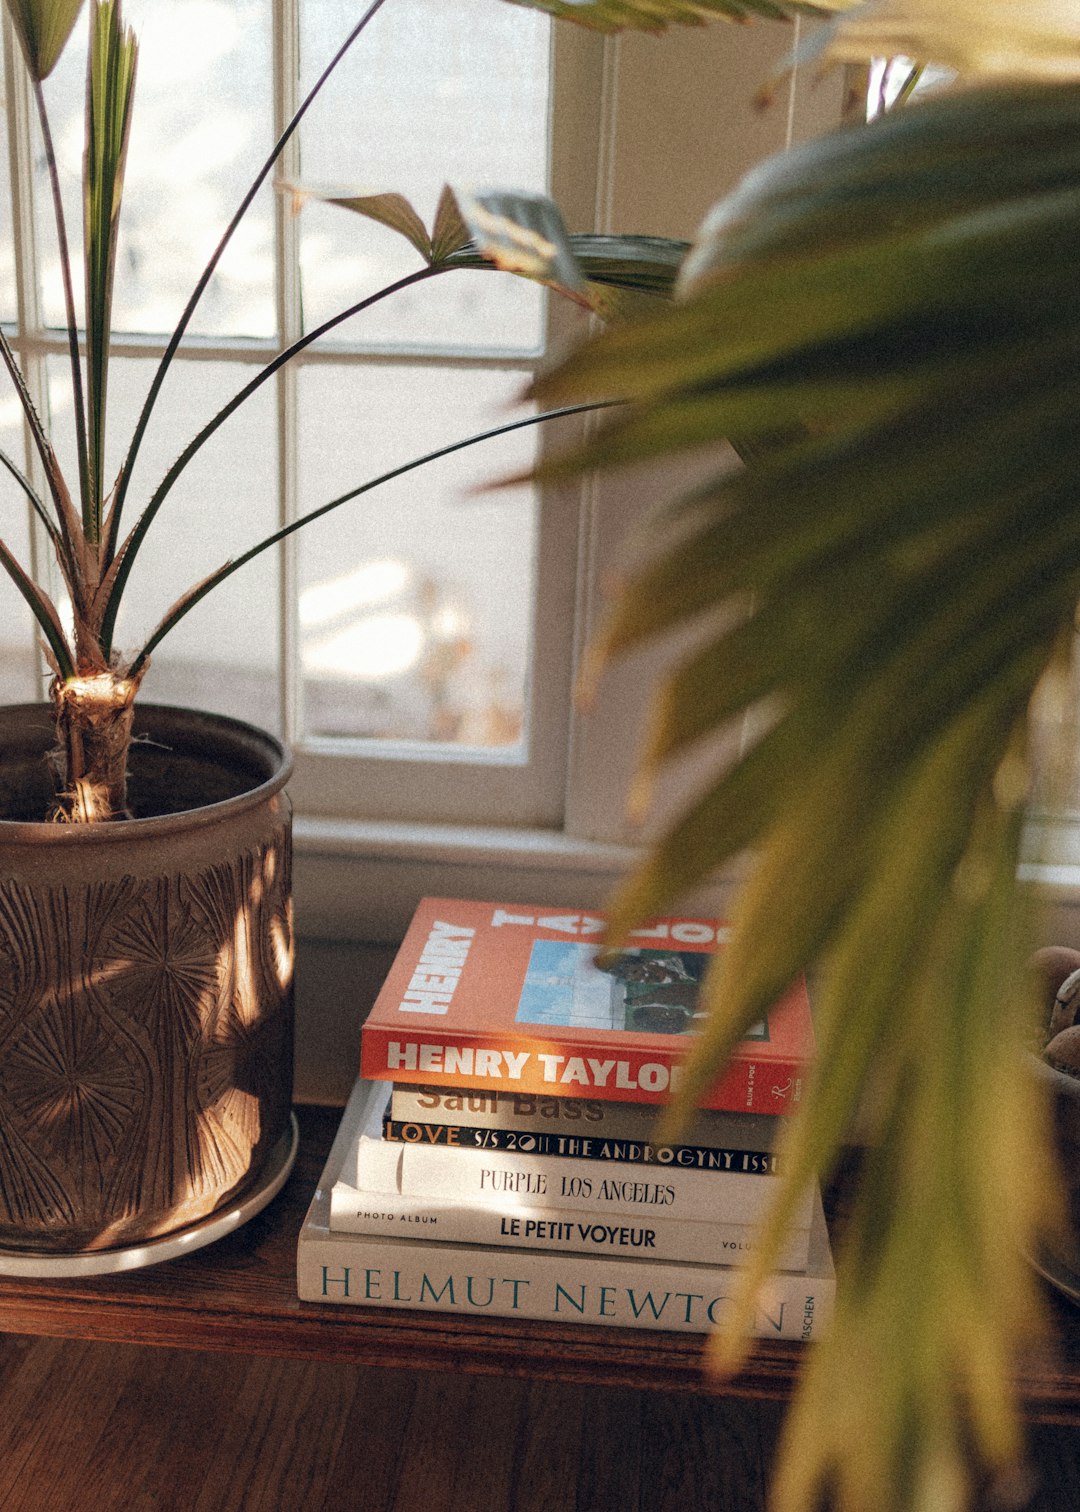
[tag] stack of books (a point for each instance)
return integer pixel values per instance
(498, 1154)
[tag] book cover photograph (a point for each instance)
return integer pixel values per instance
(508, 998)
(646, 991)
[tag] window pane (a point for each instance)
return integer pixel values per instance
(201, 128)
(20, 670)
(8, 309)
(224, 655)
(416, 600)
(18, 665)
(430, 94)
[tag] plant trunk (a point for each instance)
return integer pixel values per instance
(93, 726)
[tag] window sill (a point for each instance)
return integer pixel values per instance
(360, 880)
(1051, 866)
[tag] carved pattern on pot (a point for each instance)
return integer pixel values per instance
(143, 1027)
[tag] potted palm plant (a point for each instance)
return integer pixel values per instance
(885, 323)
(145, 906)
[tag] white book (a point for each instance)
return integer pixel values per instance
(512, 1181)
(440, 1276)
(553, 1229)
(447, 1203)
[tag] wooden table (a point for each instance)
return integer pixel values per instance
(240, 1295)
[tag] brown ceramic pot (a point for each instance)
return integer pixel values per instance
(145, 984)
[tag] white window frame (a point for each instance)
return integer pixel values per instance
(339, 778)
(688, 98)
(420, 783)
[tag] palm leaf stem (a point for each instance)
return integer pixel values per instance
(67, 519)
(43, 611)
(89, 525)
(204, 278)
(126, 556)
(190, 600)
(37, 504)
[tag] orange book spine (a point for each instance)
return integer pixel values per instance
(428, 1057)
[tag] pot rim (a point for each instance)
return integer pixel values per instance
(187, 729)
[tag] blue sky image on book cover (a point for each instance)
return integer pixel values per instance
(654, 991)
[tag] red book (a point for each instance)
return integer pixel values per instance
(508, 997)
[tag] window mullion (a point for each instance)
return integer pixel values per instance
(578, 64)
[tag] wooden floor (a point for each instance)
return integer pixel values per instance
(97, 1427)
(87, 1427)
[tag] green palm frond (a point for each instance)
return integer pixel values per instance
(43, 27)
(110, 89)
(449, 232)
(909, 1400)
(398, 214)
(1005, 39)
(524, 233)
(614, 276)
(44, 612)
(887, 323)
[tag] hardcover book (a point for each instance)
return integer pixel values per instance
(470, 1279)
(511, 998)
(586, 1119)
(522, 1178)
(506, 1198)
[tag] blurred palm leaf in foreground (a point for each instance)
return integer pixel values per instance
(658, 15)
(887, 325)
(1014, 39)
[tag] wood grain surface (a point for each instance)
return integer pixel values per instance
(118, 1427)
(239, 1295)
(88, 1427)
(542, 1415)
